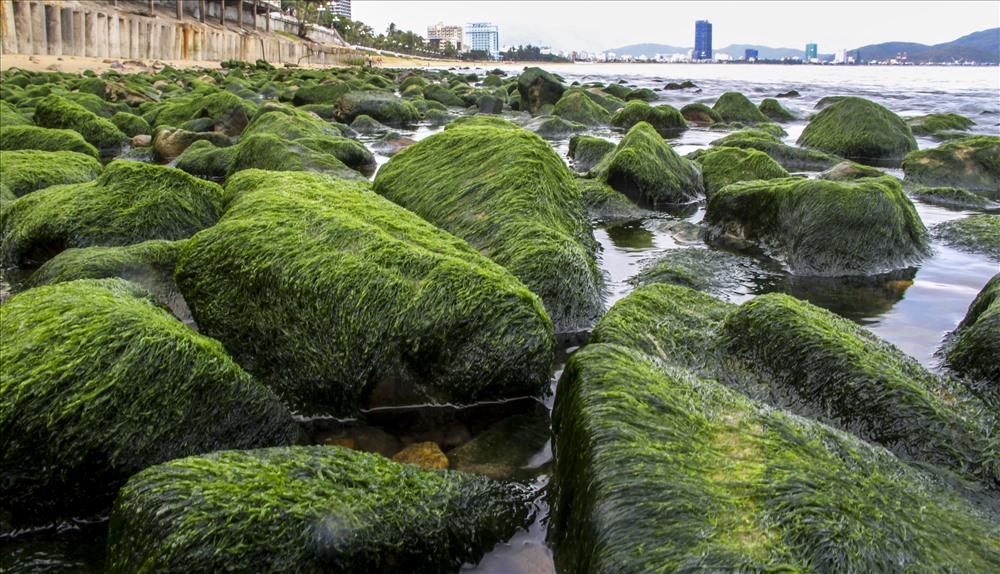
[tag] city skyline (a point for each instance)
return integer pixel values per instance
(591, 26)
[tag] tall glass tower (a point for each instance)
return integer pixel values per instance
(484, 36)
(702, 40)
(812, 52)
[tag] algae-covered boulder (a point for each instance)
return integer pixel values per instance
(735, 107)
(666, 120)
(439, 93)
(976, 350)
(342, 300)
(308, 509)
(325, 93)
(831, 369)
(11, 116)
(229, 113)
(936, 124)
(271, 153)
(718, 273)
(314, 134)
(577, 107)
(971, 163)
(657, 470)
(586, 151)
(646, 169)
(790, 157)
(366, 125)
(722, 166)
(25, 171)
(952, 197)
(383, 106)
(506, 192)
(554, 127)
(537, 88)
(773, 109)
(130, 202)
(55, 112)
(644, 94)
(601, 202)
(849, 171)
(44, 139)
(698, 113)
(818, 227)
(978, 233)
(856, 128)
(170, 143)
(121, 385)
(203, 159)
(130, 124)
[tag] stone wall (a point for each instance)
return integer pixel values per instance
(130, 30)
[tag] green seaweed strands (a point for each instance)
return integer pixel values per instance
(99, 382)
(45, 139)
(506, 192)
(665, 119)
(229, 113)
(735, 107)
(55, 112)
(342, 300)
(307, 509)
(721, 166)
(659, 471)
(933, 124)
(824, 228)
(270, 152)
(841, 374)
(971, 163)
(975, 353)
(130, 202)
(979, 233)
(577, 106)
(789, 157)
(313, 134)
(203, 159)
(856, 128)
(25, 171)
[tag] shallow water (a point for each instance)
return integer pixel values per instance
(914, 309)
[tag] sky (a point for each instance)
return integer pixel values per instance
(596, 26)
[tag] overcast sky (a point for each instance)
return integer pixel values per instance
(601, 25)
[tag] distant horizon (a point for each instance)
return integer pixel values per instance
(595, 27)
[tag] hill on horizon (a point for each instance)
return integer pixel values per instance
(735, 50)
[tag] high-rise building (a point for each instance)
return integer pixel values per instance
(812, 52)
(342, 7)
(444, 33)
(702, 40)
(751, 55)
(484, 36)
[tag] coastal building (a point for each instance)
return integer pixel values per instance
(443, 33)
(702, 40)
(342, 7)
(751, 55)
(812, 53)
(484, 36)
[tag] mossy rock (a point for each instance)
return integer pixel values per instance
(658, 470)
(735, 107)
(971, 163)
(647, 170)
(366, 125)
(438, 117)
(130, 124)
(325, 94)
(418, 81)
(978, 233)
(850, 171)
(577, 107)
(121, 385)
(605, 100)
(826, 228)
(603, 203)
(314, 134)
(506, 192)
(790, 157)
(203, 159)
(271, 153)
(722, 166)
(773, 109)
(424, 106)
(554, 127)
(934, 124)
(130, 202)
(95, 104)
(55, 112)
(329, 509)
(952, 197)
(508, 449)
(537, 88)
(975, 353)
(170, 143)
(644, 94)
(376, 305)
(11, 116)
(230, 113)
(6, 194)
(492, 81)
(718, 273)
(831, 369)
(490, 104)
(856, 128)
(665, 119)
(700, 114)
(25, 171)
(617, 90)
(383, 106)
(586, 151)
(443, 95)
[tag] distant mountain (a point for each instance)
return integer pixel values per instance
(649, 50)
(982, 47)
(763, 52)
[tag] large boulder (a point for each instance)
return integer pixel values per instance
(979, 233)
(11, 116)
(25, 171)
(170, 143)
(325, 93)
(646, 169)
(789, 157)
(383, 106)
(818, 227)
(665, 119)
(577, 107)
(354, 302)
(721, 166)
(506, 192)
(228, 112)
(55, 112)
(975, 353)
(270, 152)
(315, 134)
(439, 93)
(554, 127)
(308, 509)
(775, 112)
(586, 151)
(120, 385)
(856, 128)
(939, 125)
(659, 470)
(537, 88)
(204, 159)
(698, 113)
(130, 202)
(969, 163)
(735, 107)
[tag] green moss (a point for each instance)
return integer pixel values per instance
(819, 227)
(269, 152)
(577, 107)
(203, 159)
(95, 104)
(11, 116)
(606, 101)
(659, 471)
(735, 107)
(439, 93)
(383, 106)
(971, 163)
(790, 157)
(229, 112)
(843, 375)
(646, 169)
(130, 124)
(978, 233)
(722, 166)
(644, 94)
(698, 113)
(975, 353)
(325, 94)
(601, 202)
(366, 125)
(952, 197)
(772, 129)
(130, 202)
(618, 90)
(773, 109)
(121, 385)
(856, 128)
(537, 88)
(718, 273)
(339, 299)
(554, 127)
(308, 509)
(57, 113)
(665, 119)
(586, 151)
(850, 171)
(313, 134)
(933, 124)
(506, 192)
(24, 171)
(410, 81)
